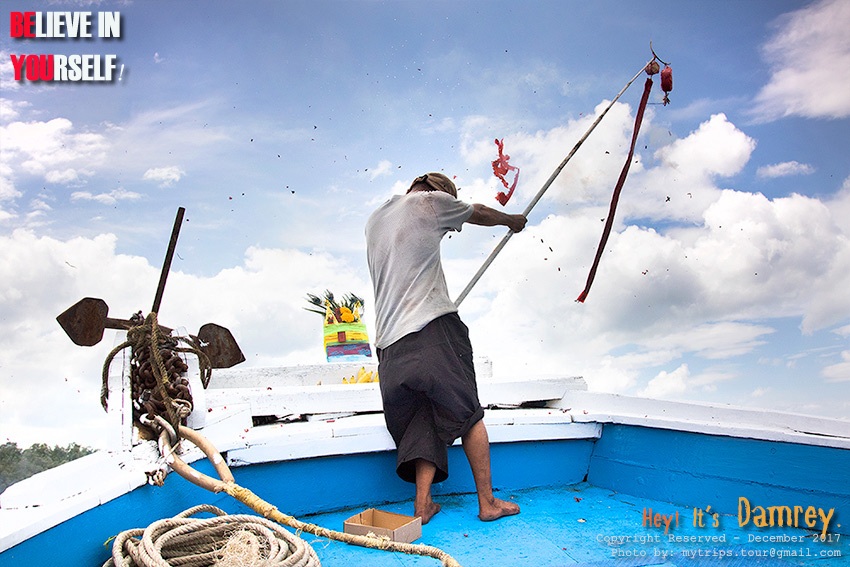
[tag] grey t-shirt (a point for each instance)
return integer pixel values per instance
(403, 251)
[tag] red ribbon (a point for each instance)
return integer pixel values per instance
(616, 196)
(500, 168)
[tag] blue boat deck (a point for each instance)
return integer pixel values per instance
(582, 525)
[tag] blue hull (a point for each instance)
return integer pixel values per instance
(617, 477)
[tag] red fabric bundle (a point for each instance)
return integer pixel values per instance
(500, 168)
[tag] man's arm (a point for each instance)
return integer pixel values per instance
(485, 216)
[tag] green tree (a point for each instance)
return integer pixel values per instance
(17, 464)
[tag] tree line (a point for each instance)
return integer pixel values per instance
(17, 464)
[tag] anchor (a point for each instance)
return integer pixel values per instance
(85, 321)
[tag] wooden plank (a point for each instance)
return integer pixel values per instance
(299, 400)
(368, 433)
(706, 418)
(337, 398)
(308, 375)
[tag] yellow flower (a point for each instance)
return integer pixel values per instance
(346, 315)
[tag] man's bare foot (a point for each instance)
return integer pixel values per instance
(427, 512)
(496, 509)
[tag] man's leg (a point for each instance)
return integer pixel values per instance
(476, 445)
(423, 505)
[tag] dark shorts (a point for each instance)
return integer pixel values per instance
(429, 393)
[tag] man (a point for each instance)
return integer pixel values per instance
(428, 386)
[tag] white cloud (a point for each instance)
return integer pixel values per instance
(759, 392)
(839, 372)
(829, 303)
(785, 169)
(715, 341)
(40, 205)
(7, 72)
(41, 278)
(839, 206)
(60, 153)
(668, 384)
(169, 135)
(165, 176)
(7, 185)
(383, 168)
(693, 290)
(680, 383)
(762, 257)
(9, 109)
(716, 148)
(110, 198)
(52, 150)
(65, 177)
(810, 61)
(685, 181)
(686, 170)
(446, 124)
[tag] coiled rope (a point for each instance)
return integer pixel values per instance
(130, 551)
(224, 540)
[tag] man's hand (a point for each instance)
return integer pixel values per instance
(517, 222)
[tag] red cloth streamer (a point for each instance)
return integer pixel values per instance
(500, 168)
(616, 197)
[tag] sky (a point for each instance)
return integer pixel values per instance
(280, 126)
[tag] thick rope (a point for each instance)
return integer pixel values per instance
(224, 540)
(227, 484)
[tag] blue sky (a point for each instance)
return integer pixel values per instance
(281, 125)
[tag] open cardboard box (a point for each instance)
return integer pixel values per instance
(397, 527)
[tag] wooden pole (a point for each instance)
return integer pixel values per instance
(169, 255)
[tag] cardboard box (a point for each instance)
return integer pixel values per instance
(397, 527)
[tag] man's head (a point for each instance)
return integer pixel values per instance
(434, 182)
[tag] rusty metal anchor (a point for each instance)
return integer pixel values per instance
(85, 321)
(219, 345)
